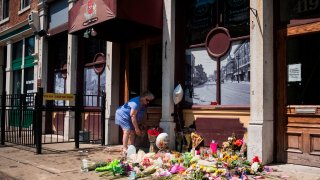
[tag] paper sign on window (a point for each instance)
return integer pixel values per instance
(294, 72)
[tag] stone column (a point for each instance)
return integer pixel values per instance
(22, 66)
(2, 70)
(42, 64)
(168, 67)
(71, 81)
(260, 129)
(112, 92)
(9, 74)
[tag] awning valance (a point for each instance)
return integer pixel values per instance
(116, 20)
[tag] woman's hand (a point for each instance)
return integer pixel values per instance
(138, 131)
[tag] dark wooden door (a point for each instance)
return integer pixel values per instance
(298, 95)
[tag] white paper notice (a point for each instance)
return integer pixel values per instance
(294, 72)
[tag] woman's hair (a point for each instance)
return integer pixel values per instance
(147, 94)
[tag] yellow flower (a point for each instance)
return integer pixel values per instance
(219, 172)
(235, 157)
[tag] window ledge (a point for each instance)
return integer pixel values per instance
(24, 10)
(5, 20)
(220, 107)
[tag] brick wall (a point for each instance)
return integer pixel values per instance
(14, 17)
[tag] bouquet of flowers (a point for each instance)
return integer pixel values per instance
(152, 136)
(233, 144)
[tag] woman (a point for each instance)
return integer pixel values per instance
(128, 116)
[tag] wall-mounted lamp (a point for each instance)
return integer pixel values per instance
(42, 33)
(89, 32)
(93, 32)
(86, 33)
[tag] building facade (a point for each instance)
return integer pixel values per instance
(18, 47)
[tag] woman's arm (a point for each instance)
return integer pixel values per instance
(133, 114)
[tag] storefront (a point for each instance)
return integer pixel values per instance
(297, 84)
(131, 63)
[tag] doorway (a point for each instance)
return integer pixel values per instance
(297, 98)
(143, 71)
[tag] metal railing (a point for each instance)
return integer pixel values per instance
(26, 119)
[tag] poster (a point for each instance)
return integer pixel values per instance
(201, 76)
(294, 72)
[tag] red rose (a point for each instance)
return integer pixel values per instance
(256, 159)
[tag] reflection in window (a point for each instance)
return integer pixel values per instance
(17, 82)
(28, 80)
(25, 3)
(17, 50)
(5, 9)
(204, 15)
(29, 46)
(201, 76)
(94, 85)
(298, 9)
(59, 86)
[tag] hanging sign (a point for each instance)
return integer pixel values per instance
(57, 96)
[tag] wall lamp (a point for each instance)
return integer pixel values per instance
(89, 32)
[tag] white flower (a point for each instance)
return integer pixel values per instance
(255, 166)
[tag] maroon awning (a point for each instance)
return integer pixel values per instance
(117, 20)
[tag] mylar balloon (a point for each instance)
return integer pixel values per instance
(177, 94)
(162, 141)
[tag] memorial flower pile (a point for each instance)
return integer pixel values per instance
(226, 163)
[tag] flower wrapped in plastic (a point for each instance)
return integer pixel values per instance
(152, 136)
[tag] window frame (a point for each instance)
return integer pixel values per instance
(3, 15)
(24, 4)
(23, 7)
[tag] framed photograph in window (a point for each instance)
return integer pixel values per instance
(201, 76)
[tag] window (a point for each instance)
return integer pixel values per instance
(17, 50)
(207, 14)
(295, 10)
(303, 70)
(224, 80)
(25, 3)
(28, 82)
(201, 76)
(94, 84)
(5, 9)
(29, 46)
(22, 65)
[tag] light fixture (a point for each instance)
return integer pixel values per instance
(93, 32)
(86, 33)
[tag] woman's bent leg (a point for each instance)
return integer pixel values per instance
(125, 138)
(131, 137)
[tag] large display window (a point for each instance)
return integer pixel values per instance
(201, 76)
(222, 77)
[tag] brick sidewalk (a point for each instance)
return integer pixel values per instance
(16, 163)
